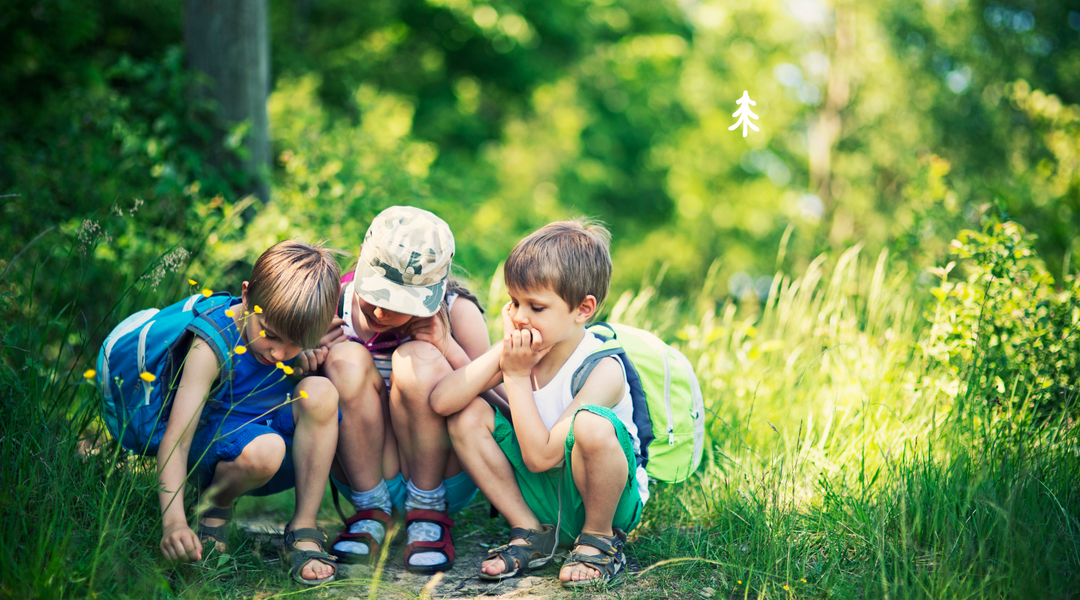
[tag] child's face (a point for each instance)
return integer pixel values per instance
(546, 312)
(262, 340)
(379, 319)
(265, 344)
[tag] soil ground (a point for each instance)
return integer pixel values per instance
(474, 533)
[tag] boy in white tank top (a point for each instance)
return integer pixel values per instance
(566, 469)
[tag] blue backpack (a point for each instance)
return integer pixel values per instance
(669, 410)
(136, 406)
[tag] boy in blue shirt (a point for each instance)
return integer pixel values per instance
(566, 469)
(269, 432)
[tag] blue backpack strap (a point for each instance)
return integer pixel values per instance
(637, 392)
(208, 330)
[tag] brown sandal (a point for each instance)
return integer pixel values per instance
(609, 562)
(536, 552)
(218, 534)
(298, 558)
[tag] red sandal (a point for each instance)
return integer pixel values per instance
(444, 545)
(365, 538)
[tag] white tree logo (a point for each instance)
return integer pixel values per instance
(744, 114)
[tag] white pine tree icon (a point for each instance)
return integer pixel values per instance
(744, 113)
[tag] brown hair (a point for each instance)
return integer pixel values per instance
(573, 258)
(296, 285)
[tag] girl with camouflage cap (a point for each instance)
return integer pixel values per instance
(408, 327)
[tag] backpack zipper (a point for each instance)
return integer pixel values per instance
(667, 399)
(142, 360)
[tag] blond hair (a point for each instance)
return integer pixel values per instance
(573, 258)
(297, 287)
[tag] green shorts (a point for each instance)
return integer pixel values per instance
(541, 490)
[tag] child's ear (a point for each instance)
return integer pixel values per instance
(586, 309)
(244, 295)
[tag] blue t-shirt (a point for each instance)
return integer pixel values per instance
(256, 390)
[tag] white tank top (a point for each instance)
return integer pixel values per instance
(552, 400)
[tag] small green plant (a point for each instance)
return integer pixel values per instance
(1005, 323)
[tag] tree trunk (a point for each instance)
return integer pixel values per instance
(229, 42)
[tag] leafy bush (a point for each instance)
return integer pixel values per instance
(1005, 323)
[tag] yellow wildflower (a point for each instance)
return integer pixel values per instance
(89, 373)
(258, 309)
(262, 333)
(192, 282)
(207, 292)
(229, 313)
(303, 394)
(280, 365)
(240, 349)
(147, 376)
(288, 370)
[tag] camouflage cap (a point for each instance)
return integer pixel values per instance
(405, 261)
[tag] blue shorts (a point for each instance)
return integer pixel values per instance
(206, 451)
(460, 490)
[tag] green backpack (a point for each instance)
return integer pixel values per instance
(668, 408)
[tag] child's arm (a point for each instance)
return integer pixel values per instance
(456, 390)
(542, 449)
(178, 541)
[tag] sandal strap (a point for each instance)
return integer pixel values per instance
(371, 514)
(307, 534)
(444, 544)
(606, 546)
(431, 516)
(521, 556)
(440, 546)
(218, 534)
(608, 565)
(299, 558)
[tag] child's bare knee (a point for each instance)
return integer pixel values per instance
(477, 416)
(261, 458)
(418, 366)
(317, 398)
(350, 365)
(593, 433)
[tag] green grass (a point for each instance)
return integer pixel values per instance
(843, 463)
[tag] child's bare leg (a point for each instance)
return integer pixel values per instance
(420, 431)
(424, 445)
(472, 432)
(600, 474)
(255, 466)
(314, 444)
(362, 454)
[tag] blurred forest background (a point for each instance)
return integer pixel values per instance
(882, 123)
(878, 289)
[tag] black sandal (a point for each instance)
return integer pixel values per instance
(298, 558)
(219, 534)
(536, 552)
(609, 562)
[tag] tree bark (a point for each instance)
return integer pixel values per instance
(229, 42)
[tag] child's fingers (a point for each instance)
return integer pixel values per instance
(507, 322)
(536, 338)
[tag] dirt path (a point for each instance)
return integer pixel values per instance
(471, 544)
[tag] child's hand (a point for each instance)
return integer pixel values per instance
(521, 348)
(431, 330)
(309, 360)
(180, 543)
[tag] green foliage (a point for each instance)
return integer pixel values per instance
(1005, 321)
